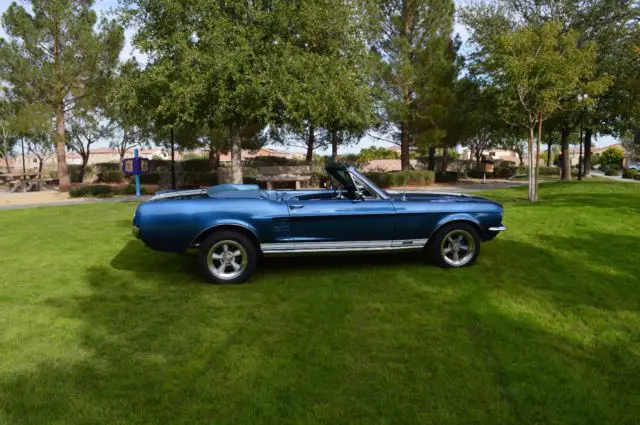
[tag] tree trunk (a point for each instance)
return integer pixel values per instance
(478, 155)
(405, 137)
(445, 158)
(521, 156)
(334, 145)
(549, 145)
(431, 164)
(83, 167)
(538, 143)
(64, 184)
(236, 155)
(214, 157)
(311, 141)
(587, 152)
(405, 160)
(566, 159)
(6, 162)
(532, 171)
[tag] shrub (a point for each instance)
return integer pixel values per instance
(74, 173)
(379, 179)
(198, 179)
(447, 176)
(612, 156)
(104, 191)
(195, 165)
(109, 172)
(268, 161)
(402, 178)
(110, 176)
(612, 170)
(97, 191)
(474, 173)
(129, 190)
(150, 178)
(629, 174)
(542, 171)
(637, 176)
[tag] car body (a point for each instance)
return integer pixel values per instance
(354, 216)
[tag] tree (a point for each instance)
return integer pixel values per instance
(334, 104)
(374, 152)
(478, 126)
(514, 143)
(414, 38)
(124, 110)
(34, 125)
(7, 130)
(534, 68)
(631, 145)
(613, 96)
(87, 127)
(55, 56)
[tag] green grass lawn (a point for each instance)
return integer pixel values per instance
(544, 329)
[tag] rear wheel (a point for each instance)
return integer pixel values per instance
(454, 245)
(227, 257)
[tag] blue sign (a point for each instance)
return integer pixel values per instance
(134, 167)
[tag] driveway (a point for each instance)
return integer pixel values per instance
(616, 178)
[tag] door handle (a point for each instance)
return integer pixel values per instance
(295, 207)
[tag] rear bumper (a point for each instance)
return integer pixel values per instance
(500, 228)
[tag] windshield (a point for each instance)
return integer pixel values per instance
(369, 183)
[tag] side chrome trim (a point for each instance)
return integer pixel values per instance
(497, 229)
(350, 246)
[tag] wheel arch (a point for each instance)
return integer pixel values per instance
(459, 218)
(236, 227)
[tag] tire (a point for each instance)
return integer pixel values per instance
(230, 249)
(446, 241)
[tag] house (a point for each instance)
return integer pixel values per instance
(101, 155)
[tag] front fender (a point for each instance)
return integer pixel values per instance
(470, 218)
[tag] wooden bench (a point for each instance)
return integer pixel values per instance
(282, 174)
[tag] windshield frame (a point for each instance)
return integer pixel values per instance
(363, 179)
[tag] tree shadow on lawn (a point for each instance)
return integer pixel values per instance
(515, 339)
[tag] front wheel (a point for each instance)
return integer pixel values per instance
(227, 257)
(454, 245)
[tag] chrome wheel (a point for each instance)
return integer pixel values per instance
(227, 259)
(458, 248)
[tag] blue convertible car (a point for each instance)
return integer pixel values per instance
(231, 226)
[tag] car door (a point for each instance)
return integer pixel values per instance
(342, 223)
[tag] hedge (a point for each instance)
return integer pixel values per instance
(630, 174)
(104, 191)
(447, 177)
(402, 178)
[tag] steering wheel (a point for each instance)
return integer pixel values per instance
(337, 192)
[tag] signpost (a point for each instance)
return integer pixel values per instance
(134, 167)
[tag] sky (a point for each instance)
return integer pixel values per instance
(104, 6)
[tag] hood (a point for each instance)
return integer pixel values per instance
(438, 197)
